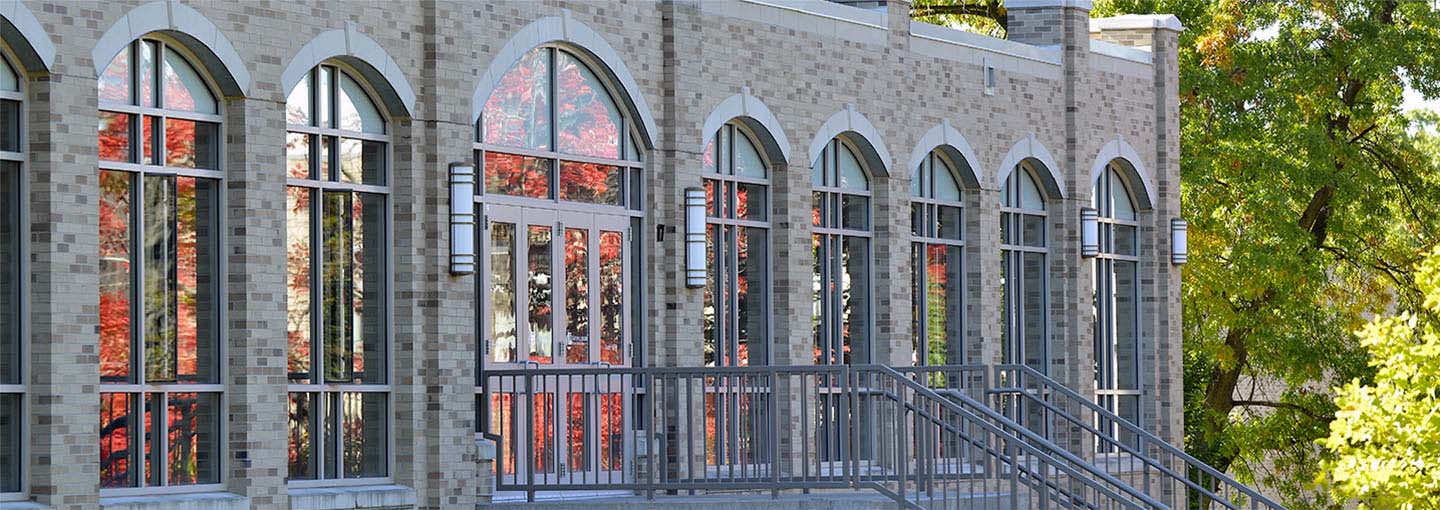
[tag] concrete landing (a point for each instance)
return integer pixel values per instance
(830, 500)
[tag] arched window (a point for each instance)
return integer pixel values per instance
(337, 160)
(13, 346)
(561, 193)
(1117, 300)
(936, 225)
(841, 240)
(1023, 273)
(160, 142)
(736, 247)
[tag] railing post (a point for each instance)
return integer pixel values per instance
(774, 434)
(530, 427)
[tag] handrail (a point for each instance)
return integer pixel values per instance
(1033, 438)
(1191, 462)
(860, 426)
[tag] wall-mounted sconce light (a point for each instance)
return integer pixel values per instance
(1089, 232)
(1179, 239)
(694, 237)
(462, 218)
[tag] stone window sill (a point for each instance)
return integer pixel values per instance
(22, 505)
(198, 501)
(368, 497)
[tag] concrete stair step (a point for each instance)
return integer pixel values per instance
(820, 500)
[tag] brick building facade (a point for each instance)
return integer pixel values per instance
(1067, 101)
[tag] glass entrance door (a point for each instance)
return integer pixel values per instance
(556, 300)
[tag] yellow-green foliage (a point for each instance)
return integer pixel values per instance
(1386, 434)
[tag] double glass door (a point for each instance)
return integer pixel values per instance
(556, 299)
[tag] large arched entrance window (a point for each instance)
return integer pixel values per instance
(13, 344)
(840, 220)
(1023, 273)
(561, 195)
(337, 153)
(160, 136)
(1117, 301)
(937, 222)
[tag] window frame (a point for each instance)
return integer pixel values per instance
(318, 186)
(935, 161)
(1104, 298)
(21, 272)
(136, 171)
(1015, 214)
(832, 211)
(727, 180)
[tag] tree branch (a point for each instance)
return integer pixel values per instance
(1286, 405)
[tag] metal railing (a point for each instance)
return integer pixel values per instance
(1111, 442)
(805, 428)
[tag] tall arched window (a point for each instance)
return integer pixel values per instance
(737, 245)
(1117, 300)
(1024, 280)
(936, 225)
(13, 346)
(841, 224)
(561, 193)
(337, 154)
(160, 138)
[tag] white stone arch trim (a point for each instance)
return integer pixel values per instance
(945, 138)
(579, 36)
(352, 45)
(24, 33)
(863, 134)
(220, 59)
(1031, 148)
(750, 110)
(1118, 149)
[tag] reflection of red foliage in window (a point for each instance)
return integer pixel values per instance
(519, 176)
(115, 283)
(586, 125)
(589, 182)
(517, 112)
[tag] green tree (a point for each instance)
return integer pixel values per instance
(1386, 435)
(1310, 193)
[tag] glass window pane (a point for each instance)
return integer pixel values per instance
(588, 123)
(304, 415)
(114, 83)
(10, 243)
(1030, 196)
(298, 261)
(612, 296)
(180, 262)
(635, 154)
(1120, 194)
(357, 111)
(146, 72)
(353, 304)
(946, 188)
(364, 424)
(943, 312)
(712, 204)
(520, 176)
(193, 438)
(917, 219)
(949, 222)
(1127, 334)
(1032, 230)
(591, 183)
(855, 299)
(116, 283)
(751, 290)
(10, 441)
(1125, 240)
(917, 185)
(367, 280)
(10, 126)
(362, 161)
(324, 100)
(325, 158)
(750, 202)
(502, 292)
(855, 212)
(297, 104)
(518, 111)
(540, 281)
(709, 308)
(297, 156)
(184, 88)
(114, 136)
(9, 79)
(852, 175)
(577, 295)
(818, 171)
(1007, 233)
(820, 254)
(190, 144)
(149, 141)
(1033, 314)
(747, 159)
(707, 157)
(119, 440)
(817, 210)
